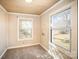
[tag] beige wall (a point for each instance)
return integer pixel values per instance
(74, 29)
(40, 25)
(13, 40)
(45, 27)
(3, 30)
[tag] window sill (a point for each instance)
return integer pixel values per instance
(27, 39)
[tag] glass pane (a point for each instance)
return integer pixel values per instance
(61, 28)
(25, 29)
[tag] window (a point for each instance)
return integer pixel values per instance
(60, 30)
(25, 29)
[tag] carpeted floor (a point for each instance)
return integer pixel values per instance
(32, 52)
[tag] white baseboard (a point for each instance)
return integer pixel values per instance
(44, 47)
(23, 46)
(3, 54)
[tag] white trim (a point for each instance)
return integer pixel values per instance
(23, 46)
(59, 10)
(44, 47)
(3, 53)
(18, 28)
(60, 1)
(18, 47)
(3, 9)
(23, 14)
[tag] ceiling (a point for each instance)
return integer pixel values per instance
(21, 6)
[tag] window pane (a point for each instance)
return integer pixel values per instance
(61, 28)
(25, 29)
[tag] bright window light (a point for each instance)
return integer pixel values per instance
(28, 1)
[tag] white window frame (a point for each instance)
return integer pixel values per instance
(27, 19)
(57, 11)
